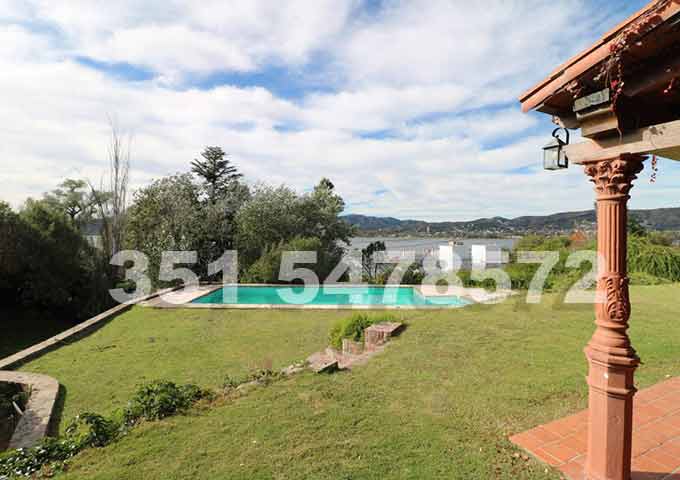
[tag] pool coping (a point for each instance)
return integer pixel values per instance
(182, 298)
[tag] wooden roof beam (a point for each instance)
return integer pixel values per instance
(662, 140)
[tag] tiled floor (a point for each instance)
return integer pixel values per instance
(656, 437)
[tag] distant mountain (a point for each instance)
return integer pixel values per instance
(655, 219)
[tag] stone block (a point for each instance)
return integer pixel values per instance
(379, 333)
(350, 347)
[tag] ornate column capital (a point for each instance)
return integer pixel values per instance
(613, 177)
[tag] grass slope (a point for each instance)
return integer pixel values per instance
(99, 373)
(439, 403)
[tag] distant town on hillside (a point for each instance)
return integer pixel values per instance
(662, 219)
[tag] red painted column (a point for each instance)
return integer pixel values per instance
(611, 357)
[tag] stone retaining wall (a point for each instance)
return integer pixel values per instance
(34, 423)
(83, 327)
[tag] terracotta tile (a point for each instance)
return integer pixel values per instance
(674, 383)
(656, 437)
(561, 452)
(669, 462)
(642, 399)
(646, 464)
(659, 389)
(577, 422)
(674, 420)
(581, 416)
(662, 430)
(527, 441)
(649, 395)
(573, 471)
(653, 432)
(669, 403)
(577, 441)
(672, 447)
(641, 419)
(558, 427)
(544, 435)
(667, 428)
(545, 457)
(649, 411)
(642, 443)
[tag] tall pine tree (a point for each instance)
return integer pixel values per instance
(216, 171)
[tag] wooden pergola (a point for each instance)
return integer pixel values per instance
(623, 93)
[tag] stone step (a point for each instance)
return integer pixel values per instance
(380, 333)
(323, 362)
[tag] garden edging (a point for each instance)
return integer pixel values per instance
(34, 423)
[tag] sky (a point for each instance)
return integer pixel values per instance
(410, 108)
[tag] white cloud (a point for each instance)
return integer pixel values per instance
(481, 126)
(440, 77)
(175, 39)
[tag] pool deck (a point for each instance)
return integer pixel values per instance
(184, 297)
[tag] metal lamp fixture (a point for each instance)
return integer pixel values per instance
(554, 156)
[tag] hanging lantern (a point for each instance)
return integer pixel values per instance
(554, 156)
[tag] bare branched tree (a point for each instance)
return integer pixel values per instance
(111, 198)
(119, 177)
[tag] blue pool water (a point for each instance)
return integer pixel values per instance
(330, 295)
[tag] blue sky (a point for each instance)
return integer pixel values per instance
(409, 107)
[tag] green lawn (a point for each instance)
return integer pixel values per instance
(439, 403)
(100, 373)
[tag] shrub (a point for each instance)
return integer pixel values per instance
(266, 269)
(656, 260)
(50, 454)
(92, 430)
(262, 375)
(230, 382)
(160, 399)
(353, 327)
(153, 401)
(642, 278)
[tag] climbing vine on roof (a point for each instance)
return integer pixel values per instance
(611, 71)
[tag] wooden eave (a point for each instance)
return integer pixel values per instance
(550, 96)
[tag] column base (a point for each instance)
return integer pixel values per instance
(610, 404)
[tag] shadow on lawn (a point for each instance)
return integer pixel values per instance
(58, 412)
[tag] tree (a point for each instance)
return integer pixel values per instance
(320, 211)
(268, 218)
(45, 262)
(635, 228)
(266, 269)
(216, 171)
(326, 183)
(72, 199)
(275, 215)
(110, 199)
(369, 265)
(216, 229)
(164, 216)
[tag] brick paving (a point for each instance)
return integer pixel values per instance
(656, 437)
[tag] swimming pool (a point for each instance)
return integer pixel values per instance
(327, 295)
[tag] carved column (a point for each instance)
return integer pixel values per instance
(611, 357)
